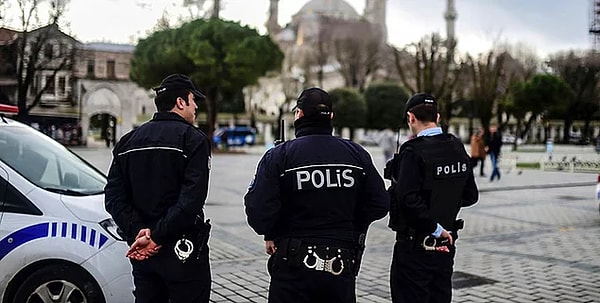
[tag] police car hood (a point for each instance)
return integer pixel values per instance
(87, 208)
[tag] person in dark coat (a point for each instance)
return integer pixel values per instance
(313, 199)
(494, 147)
(431, 180)
(156, 191)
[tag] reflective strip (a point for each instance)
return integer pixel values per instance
(320, 165)
(152, 148)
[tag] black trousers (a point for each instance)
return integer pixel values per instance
(475, 161)
(296, 284)
(419, 276)
(163, 278)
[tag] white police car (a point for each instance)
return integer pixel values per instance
(57, 243)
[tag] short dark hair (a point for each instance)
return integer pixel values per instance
(425, 112)
(166, 101)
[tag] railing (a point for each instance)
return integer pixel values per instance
(571, 165)
(508, 162)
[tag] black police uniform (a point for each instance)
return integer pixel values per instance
(159, 180)
(432, 181)
(313, 195)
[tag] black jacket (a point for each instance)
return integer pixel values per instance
(454, 186)
(494, 143)
(316, 186)
(158, 178)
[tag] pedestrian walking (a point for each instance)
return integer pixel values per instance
(478, 150)
(431, 181)
(494, 147)
(156, 191)
(313, 198)
(388, 144)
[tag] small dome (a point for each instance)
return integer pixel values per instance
(332, 8)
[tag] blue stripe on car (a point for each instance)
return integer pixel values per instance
(92, 237)
(47, 229)
(22, 236)
(74, 231)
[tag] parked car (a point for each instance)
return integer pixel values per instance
(57, 243)
(235, 136)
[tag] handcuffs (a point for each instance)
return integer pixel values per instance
(183, 249)
(430, 243)
(323, 264)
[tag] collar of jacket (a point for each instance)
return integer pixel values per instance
(306, 127)
(161, 116)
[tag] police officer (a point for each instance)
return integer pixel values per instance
(156, 191)
(431, 180)
(312, 198)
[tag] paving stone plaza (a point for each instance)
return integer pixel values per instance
(533, 237)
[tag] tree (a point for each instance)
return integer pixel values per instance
(581, 72)
(41, 49)
(427, 67)
(486, 73)
(520, 65)
(221, 57)
(350, 109)
(542, 93)
(385, 106)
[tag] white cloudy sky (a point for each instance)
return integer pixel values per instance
(543, 25)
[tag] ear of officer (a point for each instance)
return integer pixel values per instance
(178, 94)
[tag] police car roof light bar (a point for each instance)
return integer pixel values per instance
(7, 109)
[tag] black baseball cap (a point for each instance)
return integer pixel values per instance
(178, 82)
(418, 99)
(314, 101)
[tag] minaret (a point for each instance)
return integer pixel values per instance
(375, 11)
(450, 16)
(272, 24)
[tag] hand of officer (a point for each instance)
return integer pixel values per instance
(445, 236)
(143, 247)
(270, 247)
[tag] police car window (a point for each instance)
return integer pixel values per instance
(13, 201)
(47, 163)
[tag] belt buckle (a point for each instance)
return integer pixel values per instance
(323, 264)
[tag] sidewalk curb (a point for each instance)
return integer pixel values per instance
(538, 186)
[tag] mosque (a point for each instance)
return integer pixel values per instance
(304, 40)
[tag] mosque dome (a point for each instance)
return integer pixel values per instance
(331, 8)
